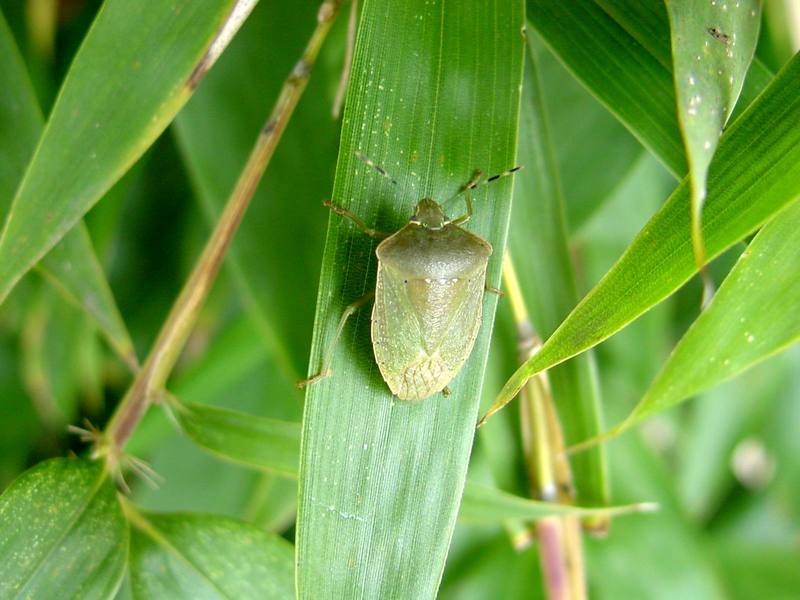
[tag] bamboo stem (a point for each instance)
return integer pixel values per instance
(550, 479)
(151, 378)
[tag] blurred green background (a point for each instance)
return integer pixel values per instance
(725, 468)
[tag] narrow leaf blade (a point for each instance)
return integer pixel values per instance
(136, 67)
(380, 479)
(752, 317)
(618, 69)
(487, 504)
(754, 175)
(72, 265)
(268, 444)
(620, 50)
(712, 47)
(273, 446)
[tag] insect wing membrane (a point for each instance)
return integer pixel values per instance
(428, 306)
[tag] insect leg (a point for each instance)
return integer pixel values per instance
(471, 185)
(494, 290)
(359, 223)
(326, 362)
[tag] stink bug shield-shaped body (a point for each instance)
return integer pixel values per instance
(428, 297)
(428, 302)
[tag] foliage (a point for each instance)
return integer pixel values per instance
(123, 130)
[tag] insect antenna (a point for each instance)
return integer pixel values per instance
(476, 182)
(368, 161)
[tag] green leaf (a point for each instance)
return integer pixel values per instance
(647, 21)
(54, 365)
(751, 318)
(72, 265)
(619, 49)
(273, 446)
(712, 46)
(269, 444)
(20, 118)
(197, 556)
(644, 20)
(64, 534)
(137, 66)
(617, 69)
(487, 504)
(755, 174)
(434, 95)
(588, 177)
(538, 245)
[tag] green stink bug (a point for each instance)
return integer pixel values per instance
(428, 296)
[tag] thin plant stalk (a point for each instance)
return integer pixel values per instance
(149, 382)
(341, 90)
(549, 475)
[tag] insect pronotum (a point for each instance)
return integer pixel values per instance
(428, 296)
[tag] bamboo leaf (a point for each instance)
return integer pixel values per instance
(272, 445)
(434, 95)
(72, 265)
(647, 22)
(20, 118)
(204, 556)
(64, 535)
(754, 175)
(538, 244)
(487, 504)
(74, 269)
(618, 69)
(619, 49)
(712, 46)
(588, 177)
(137, 66)
(751, 318)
